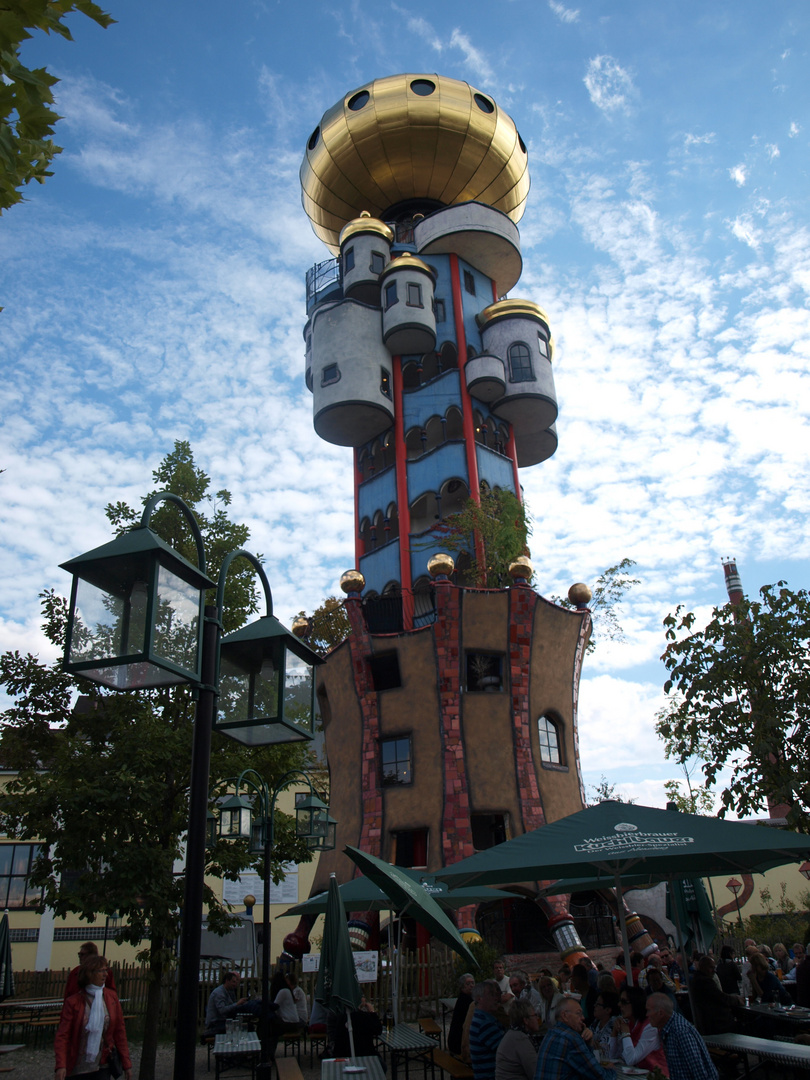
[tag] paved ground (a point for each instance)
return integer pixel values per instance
(38, 1064)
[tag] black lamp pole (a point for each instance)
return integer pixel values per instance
(188, 977)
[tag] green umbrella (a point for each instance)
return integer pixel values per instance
(6, 969)
(694, 913)
(337, 987)
(361, 894)
(624, 840)
(410, 898)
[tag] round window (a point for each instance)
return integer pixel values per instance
(423, 87)
(484, 104)
(359, 100)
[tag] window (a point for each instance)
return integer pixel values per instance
(520, 363)
(487, 830)
(396, 761)
(542, 345)
(549, 736)
(414, 295)
(410, 848)
(385, 671)
(440, 310)
(377, 262)
(16, 861)
(390, 294)
(469, 282)
(330, 374)
(385, 382)
(484, 672)
(348, 260)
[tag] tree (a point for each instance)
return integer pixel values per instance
(103, 787)
(496, 529)
(328, 625)
(609, 591)
(604, 791)
(740, 699)
(26, 118)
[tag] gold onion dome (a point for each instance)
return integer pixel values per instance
(406, 138)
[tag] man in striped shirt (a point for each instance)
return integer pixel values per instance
(485, 1031)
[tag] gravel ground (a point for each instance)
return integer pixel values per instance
(38, 1064)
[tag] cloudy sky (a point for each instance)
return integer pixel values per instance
(154, 291)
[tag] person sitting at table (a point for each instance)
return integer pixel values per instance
(656, 985)
(287, 1019)
(460, 1010)
(798, 955)
(501, 978)
(223, 1003)
(516, 1056)
(366, 1029)
(550, 999)
(782, 958)
(672, 968)
(605, 1011)
(765, 984)
(580, 986)
(728, 971)
(486, 1031)
(635, 1040)
(654, 963)
(714, 1009)
(566, 1052)
(91, 1027)
(86, 950)
(686, 1053)
(619, 974)
(522, 989)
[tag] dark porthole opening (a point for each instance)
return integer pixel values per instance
(423, 87)
(313, 139)
(484, 104)
(359, 100)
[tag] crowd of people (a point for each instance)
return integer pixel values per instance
(575, 1022)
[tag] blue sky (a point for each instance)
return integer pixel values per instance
(154, 291)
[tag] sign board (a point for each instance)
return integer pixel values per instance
(286, 892)
(365, 964)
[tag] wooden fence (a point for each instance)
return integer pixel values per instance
(424, 978)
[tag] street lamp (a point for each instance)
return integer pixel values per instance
(138, 620)
(735, 887)
(237, 821)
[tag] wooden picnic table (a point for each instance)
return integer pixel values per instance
(765, 1049)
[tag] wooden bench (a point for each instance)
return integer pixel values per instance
(430, 1027)
(452, 1065)
(288, 1069)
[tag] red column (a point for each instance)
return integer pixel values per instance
(358, 543)
(403, 508)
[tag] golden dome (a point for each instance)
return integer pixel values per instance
(300, 626)
(406, 261)
(580, 594)
(352, 581)
(366, 224)
(441, 564)
(407, 137)
(521, 569)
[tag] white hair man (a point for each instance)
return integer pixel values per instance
(686, 1053)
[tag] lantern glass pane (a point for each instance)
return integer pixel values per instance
(299, 690)
(242, 696)
(234, 823)
(106, 625)
(177, 620)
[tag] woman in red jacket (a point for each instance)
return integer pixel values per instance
(92, 1024)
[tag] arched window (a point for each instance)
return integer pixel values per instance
(550, 736)
(520, 363)
(448, 357)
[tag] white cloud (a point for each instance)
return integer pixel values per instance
(609, 85)
(738, 175)
(772, 150)
(699, 140)
(793, 130)
(473, 57)
(564, 14)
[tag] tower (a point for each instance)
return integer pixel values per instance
(450, 710)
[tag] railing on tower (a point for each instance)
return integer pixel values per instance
(323, 281)
(389, 614)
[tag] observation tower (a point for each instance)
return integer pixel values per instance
(450, 711)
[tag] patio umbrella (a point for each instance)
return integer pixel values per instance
(6, 969)
(688, 905)
(361, 894)
(337, 988)
(624, 841)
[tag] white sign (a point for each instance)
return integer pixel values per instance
(365, 964)
(286, 892)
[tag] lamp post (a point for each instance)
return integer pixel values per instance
(138, 620)
(735, 887)
(111, 922)
(312, 823)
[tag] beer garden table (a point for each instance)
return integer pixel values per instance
(766, 1049)
(403, 1042)
(231, 1054)
(335, 1068)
